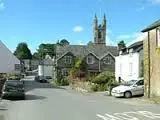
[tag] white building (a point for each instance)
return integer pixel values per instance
(129, 63)
(45, 67)
(8, 62)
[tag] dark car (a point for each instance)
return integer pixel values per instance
(14, 89)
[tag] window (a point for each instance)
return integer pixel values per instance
(68, 59)
(17, 67)
(107, 60)
(139, 83)
(90, 59)
(130, 68)
(158, 37)
(120, 69)
(64, 72)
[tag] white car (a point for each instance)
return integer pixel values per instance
(129, 89)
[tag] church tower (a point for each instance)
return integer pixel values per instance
(100, 31)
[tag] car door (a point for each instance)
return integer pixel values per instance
(139, 88)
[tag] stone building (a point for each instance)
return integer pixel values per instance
(98, 56)
(152, 60)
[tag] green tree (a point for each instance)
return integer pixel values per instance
(90, 43)
(22, 51)
(78, 67)
(45, 49)
(35, 56)
(121, 45)
(64, 42)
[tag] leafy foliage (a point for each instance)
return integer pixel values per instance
(64, 42)
(62, 82)
(45, 49)
(103, 78)
(22, 51)
(78, 68)
(121, 45)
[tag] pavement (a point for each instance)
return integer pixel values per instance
(44, 102)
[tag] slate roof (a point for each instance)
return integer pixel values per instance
(84, 50)
(137, 46)
(152, 26)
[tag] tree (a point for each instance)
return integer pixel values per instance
(45, 49)
(121, 45)
(78, 67)
(90, 43)
(22, 51)
(64, 42)
(35, 56)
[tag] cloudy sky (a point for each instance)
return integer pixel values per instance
(46, 21)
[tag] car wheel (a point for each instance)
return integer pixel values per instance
(128, 94)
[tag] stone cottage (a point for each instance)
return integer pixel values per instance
(152, 60)
(97, 55)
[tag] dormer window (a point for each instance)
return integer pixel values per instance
(90, 59)
(68, 59)
(107, 60)
(158, 37)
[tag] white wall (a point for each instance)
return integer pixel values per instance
(7, 60)
(124, 69)
(44, 70)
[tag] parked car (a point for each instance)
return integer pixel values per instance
(42, 79)
(129, 89)
(13, 88)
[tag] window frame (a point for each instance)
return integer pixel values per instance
(130, 69)
(108, 58)
(68, 59)
(65, 72)
(158, 37)
(17, 67)
(90, 57)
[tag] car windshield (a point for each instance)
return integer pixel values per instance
(129, 83)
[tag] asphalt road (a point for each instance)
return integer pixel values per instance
(46, 103)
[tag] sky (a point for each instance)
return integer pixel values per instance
(46, 21)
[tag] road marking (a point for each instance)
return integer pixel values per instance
(128, 116)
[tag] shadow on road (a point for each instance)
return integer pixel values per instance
(27, 97)
(30, 85)
(34, 97)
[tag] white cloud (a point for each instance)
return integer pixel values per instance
(154, 1)
(110, 37)
(2, 6)
(78, 28)
(137, 37)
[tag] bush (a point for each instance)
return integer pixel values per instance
(99, 87)
(94, 87)
(104, 78)
(63, 82)
(14, 76)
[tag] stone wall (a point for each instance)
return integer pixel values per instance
(153, 88)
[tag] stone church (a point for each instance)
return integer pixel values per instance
(99, 57)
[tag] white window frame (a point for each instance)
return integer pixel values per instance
(17, 67)
(68, 59)
(107, 60)
(158, 37)
(65, 72)
(120, 69)
(92, 59)
(130, 69)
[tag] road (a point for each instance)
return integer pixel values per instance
(46, 103)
